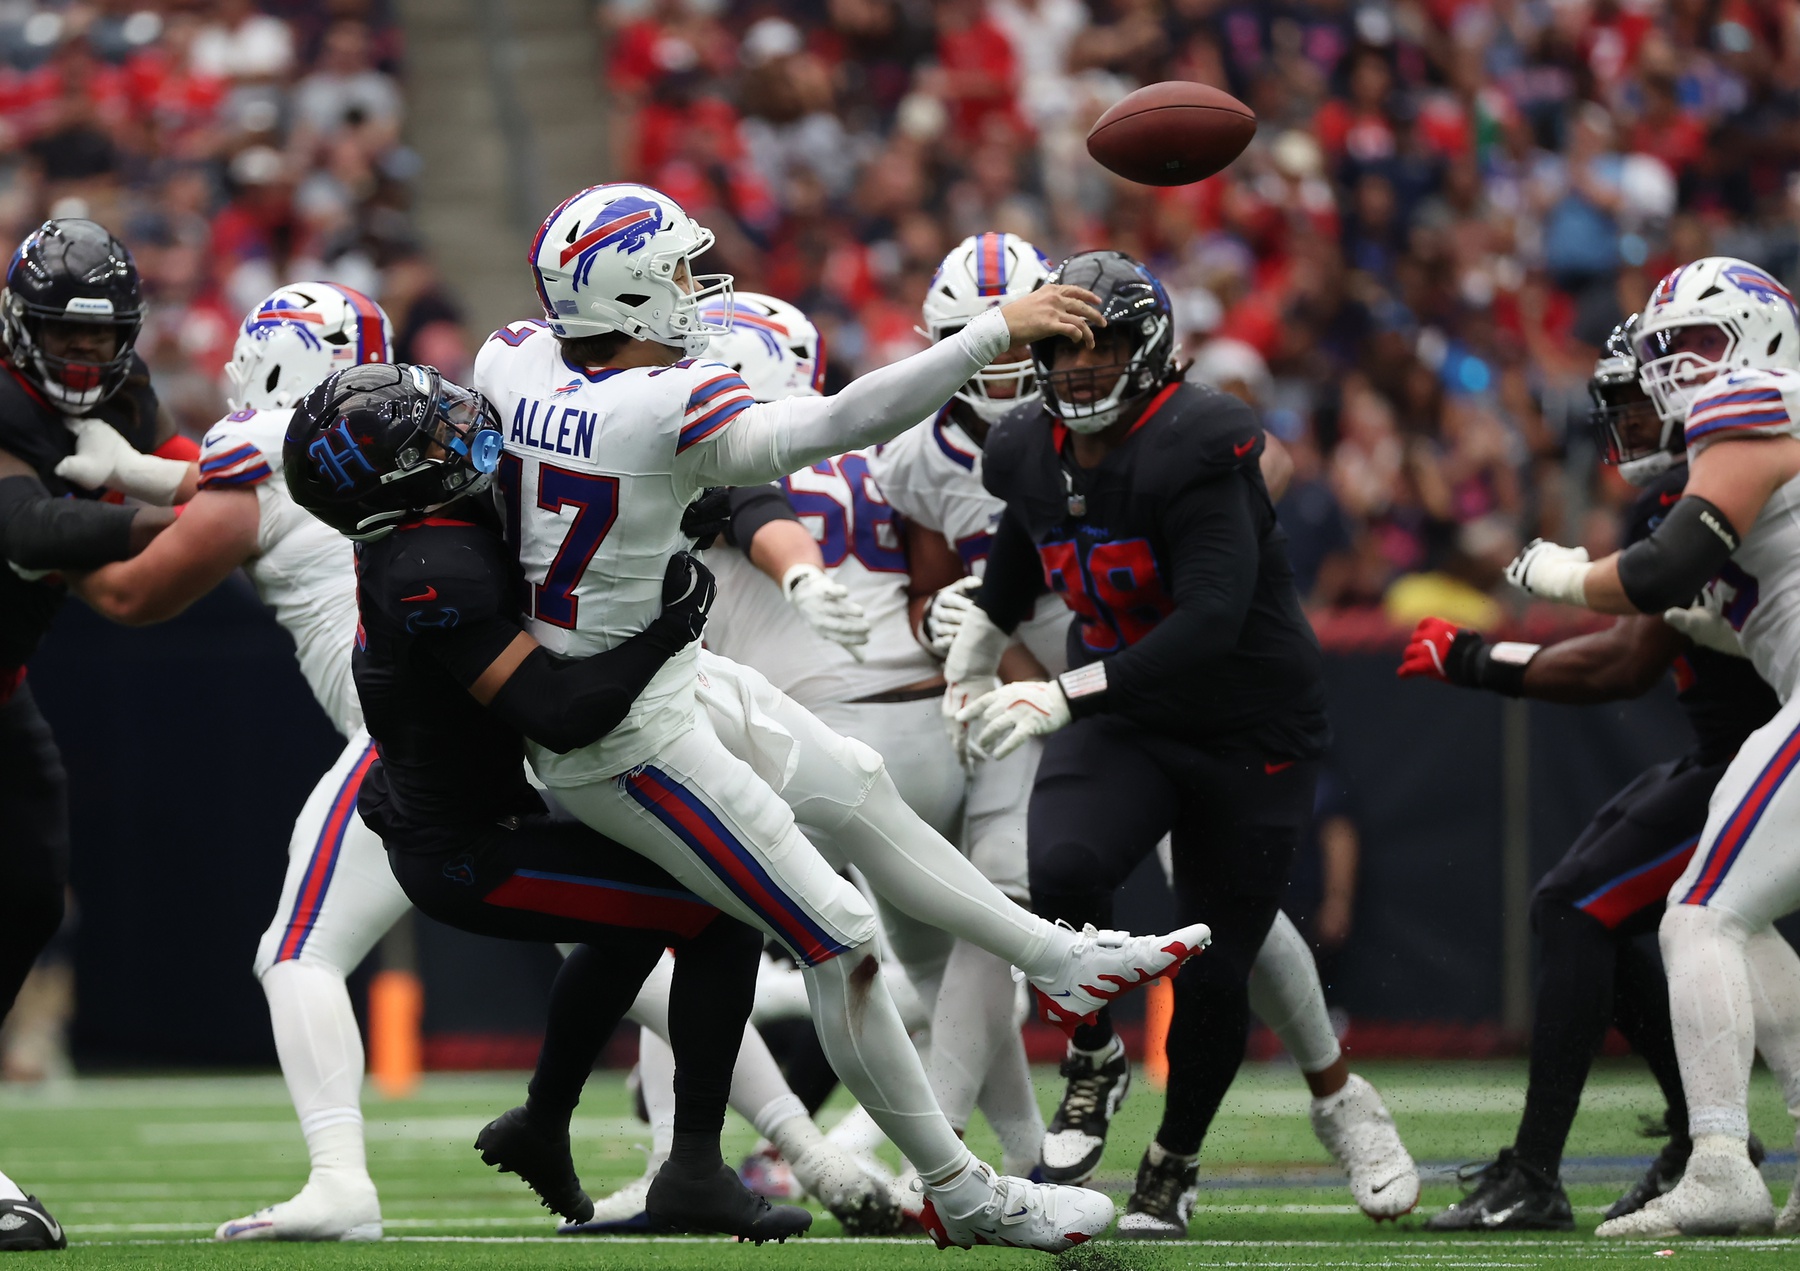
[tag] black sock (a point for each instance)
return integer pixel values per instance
(1576, 955)
(709, 1002)
(1641, 1012)
(1095, 1036)
(695, 1153)
(594, 988)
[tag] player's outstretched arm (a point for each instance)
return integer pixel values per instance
(771, 439)
(1617, 664)
(1728, 485)
(38, 532)
(215, 534)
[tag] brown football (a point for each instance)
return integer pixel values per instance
(1173, 133)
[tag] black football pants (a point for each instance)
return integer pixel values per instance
(1106, 793)
(34, 840)
(551, 879)
(1588, 911)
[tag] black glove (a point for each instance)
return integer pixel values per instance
(708, 516)
(688, 591)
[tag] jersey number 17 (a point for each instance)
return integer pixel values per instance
(595, 499)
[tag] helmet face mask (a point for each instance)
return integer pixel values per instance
(69, 286)
(1715, 315)
(297, 337)
(1627, 428)
(1138, 316)
(378, 445)
(618, 258)
(981, 273)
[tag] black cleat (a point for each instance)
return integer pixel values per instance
(719, 1202)
(27, 1227)
(1509, 1195)
(1162, 1202)
(1076, 1136)
(1666, 1171)
(515, 1144)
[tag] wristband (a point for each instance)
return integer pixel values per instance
(1084, 686)
(1498, 668)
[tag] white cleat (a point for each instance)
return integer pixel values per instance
(1011, 1211)
(1355, 1127)
(1721, 1194)
(624, 1211)
(1102, 966)
(862, 1204)
(334, 1205)
(1787, 1222)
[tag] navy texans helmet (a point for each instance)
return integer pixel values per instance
(1091, 398)
(379, 444)
(71, 272)
(1625, 423)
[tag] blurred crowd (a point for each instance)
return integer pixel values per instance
(234, 146)
(1447, 206)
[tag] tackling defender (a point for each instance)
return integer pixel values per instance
(612, 266)
(1610, 886)
(71, 313)
(932, 475)
(1719, 350)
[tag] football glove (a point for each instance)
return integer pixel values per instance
(1013, 714)
(1704, 623)
(1439, 650)
(944, 614)
(103, 458)
(1551, 571)
(971, 670)
(708, 516)
(827, 607)
(958, 694)
(688, 591)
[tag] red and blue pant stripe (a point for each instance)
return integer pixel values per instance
(1743, 821)
(317, 880)
(1631, 892)
(733, 864)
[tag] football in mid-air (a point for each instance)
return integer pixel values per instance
(1173, 133)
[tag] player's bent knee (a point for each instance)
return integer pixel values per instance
(1684, 926)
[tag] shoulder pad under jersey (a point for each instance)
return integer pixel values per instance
(1016, 445)
(1196, 433)
(132, 410)
(1652, 504)
(437, 575)
(715, 396)
(235, 453)
(1750, 403)
(31, 429)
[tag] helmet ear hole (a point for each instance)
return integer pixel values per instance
(631, 300)
(274, 378)
(337, 337)
(1774, 344)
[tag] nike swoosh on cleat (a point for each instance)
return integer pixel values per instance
(1020, 1214)
(1495, 1219)
(238, 1228)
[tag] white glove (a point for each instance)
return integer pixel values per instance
(958, 694)
(827, 607)
(1013, 714)
(944, 614)
(1551, 571)
(1704, 623)
(103, 458)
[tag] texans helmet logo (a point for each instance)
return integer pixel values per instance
(626, 224)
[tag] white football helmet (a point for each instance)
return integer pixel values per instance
(619, 258)
(1746, 317)
(979, 273)
(295, 339)
(774, 346)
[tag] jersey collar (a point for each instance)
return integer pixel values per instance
(1059, 431)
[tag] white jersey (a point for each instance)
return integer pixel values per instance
(304, 570)
(931, 475)
(593, 507)
(751, 621)
(1760, 585)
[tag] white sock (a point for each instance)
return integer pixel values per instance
(321, 1055)
(915, 869)
(786, 1125)
(869, 1050)
(978, 1057)
(9, 1190)
(857, 1132)
(656, 1077)
(1286, 995)
(1710, 1002)
(1775, 998)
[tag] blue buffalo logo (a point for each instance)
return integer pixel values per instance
(1755, 282)
(284, 314)
(626, 225)
(769, 331)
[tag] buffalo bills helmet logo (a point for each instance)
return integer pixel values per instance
(1755, 283)
(766, 329)
(279, 313)
(626, 224)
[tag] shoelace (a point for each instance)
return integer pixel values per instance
(1081, 1102)
(1166, 1187)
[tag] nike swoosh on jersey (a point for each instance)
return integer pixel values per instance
(1241, 451)
(430, 593)
(1270, 769)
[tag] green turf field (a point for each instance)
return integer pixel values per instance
(141, 1170)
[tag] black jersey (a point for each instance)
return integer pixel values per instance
(32, 430)
(1169, 554)
(1725, 699)
(438, 602)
